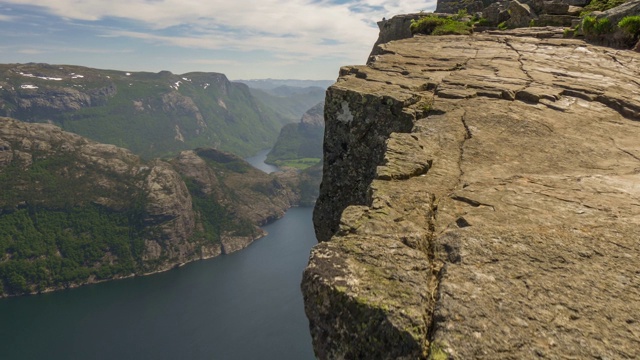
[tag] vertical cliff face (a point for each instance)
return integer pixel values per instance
(479, 199)
(357, 125)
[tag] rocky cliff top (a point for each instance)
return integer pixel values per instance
(480, 200)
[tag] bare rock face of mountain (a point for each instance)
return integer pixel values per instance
(479, 200)
(314, 116)
(244, 190)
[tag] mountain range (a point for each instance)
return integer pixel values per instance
(152, 114)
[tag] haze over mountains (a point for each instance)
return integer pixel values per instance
(268, 84)
(152, 114)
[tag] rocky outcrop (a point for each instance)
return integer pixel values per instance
(479, 200)
(628, 8)
(515, 13)
(314, 117)
(520, 14)
(245, 191)
(610, 34)
(395, 28)
(49, 172)
(453, 6)
(231, 244)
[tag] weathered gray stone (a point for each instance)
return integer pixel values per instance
(576, 2)
(617, 13)
(521, 14)
(499, 224)
(396, 28)
(453, 6)
(496, 13)
(555, 8)
(574, 10)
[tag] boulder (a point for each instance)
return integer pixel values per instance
(521, 14)
(496, 13)
(617, 13)
(555, 8)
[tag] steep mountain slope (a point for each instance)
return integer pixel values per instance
(151, 114)
(288, 101)
(73, 211)
(300, 144)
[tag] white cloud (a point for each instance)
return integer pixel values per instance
(255, 24)
(30, 51)
(292, 34)
(210, 62)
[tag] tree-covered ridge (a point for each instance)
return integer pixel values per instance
(152, 114)
(299, 145)
(48, 248)
(73, 211)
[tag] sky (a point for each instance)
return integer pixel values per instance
(244, 39)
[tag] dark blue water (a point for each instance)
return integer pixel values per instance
(246, 305)
(257, 161)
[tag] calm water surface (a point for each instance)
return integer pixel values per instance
(246, 305)
(257, 161)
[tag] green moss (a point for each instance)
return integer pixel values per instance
(452, 28)
(462, 13)
(436, 352)
(603, 26)
(630, 24)
(593, 26)
(502, 25)
(483, 22)
(588, 24)
(435, 25)
(601, 5)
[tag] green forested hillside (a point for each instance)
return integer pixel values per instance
(299, 145)
(152, 114)
(73, 211)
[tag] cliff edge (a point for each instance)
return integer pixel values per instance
(480, 199)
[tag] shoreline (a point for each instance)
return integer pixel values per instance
(175, 266)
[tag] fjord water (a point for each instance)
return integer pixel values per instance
(245, 305)
(257, 161)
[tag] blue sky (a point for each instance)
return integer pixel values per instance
(244, 39)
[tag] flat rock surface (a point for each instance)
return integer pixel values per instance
(518, 186)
